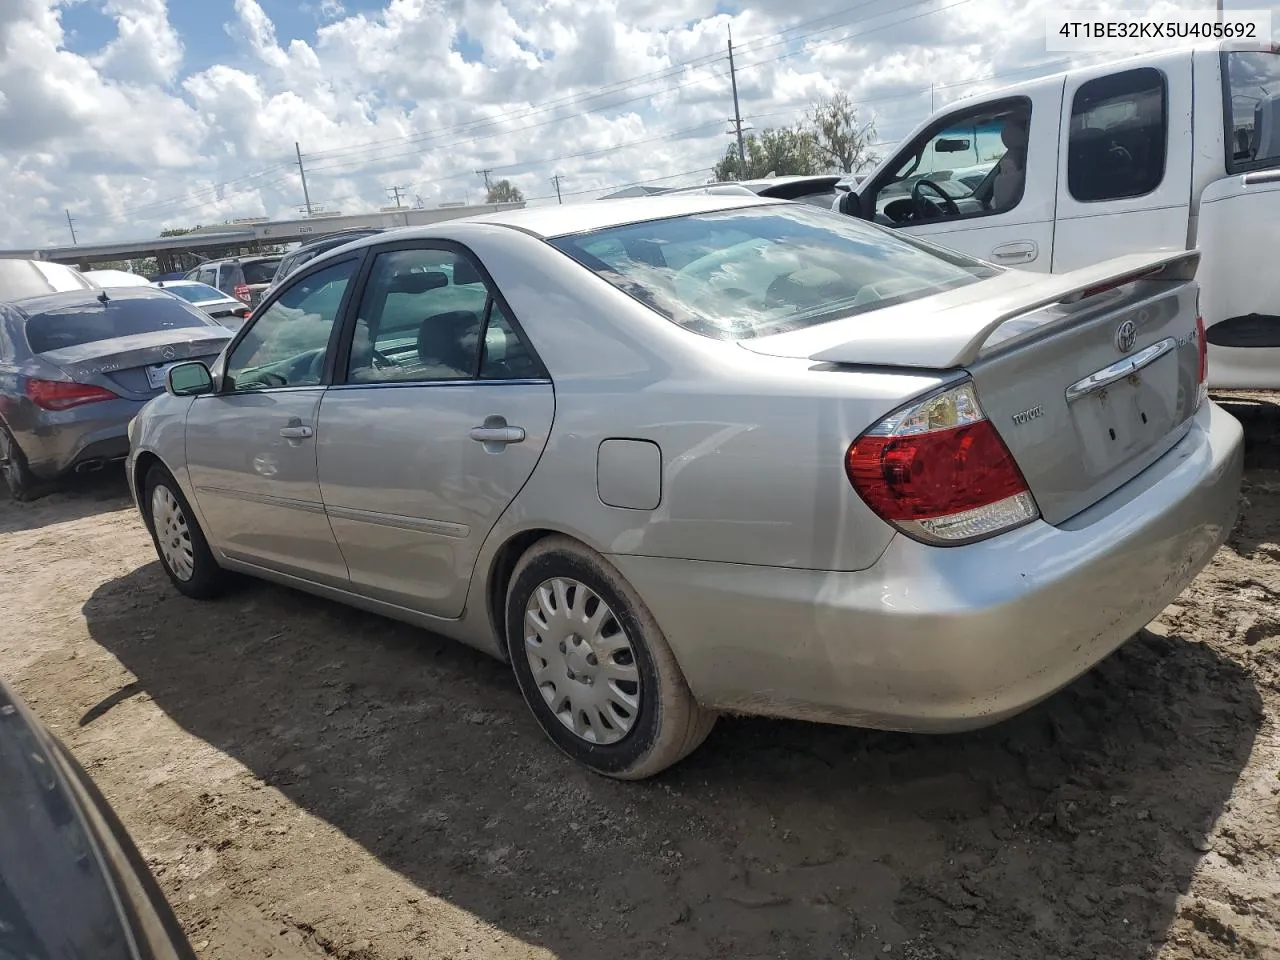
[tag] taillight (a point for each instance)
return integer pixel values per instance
(1202, 344)
(63, 395)
(242, 292)
(938, 471)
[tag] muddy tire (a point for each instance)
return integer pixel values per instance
(180, 543)
(594, 666)
(21, 483)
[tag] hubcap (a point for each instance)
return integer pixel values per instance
(172, 533)
(582, 661)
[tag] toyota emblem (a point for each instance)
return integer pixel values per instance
(1126, 336)
(169, 353)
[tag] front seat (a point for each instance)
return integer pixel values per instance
(1011, 171)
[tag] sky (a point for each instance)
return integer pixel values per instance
(141, 115)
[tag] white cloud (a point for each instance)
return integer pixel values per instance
(132, 142)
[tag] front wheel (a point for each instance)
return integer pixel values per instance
(595, 668)
(184, 552)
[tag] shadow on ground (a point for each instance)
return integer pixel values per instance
(72, 499)
(1067, 832)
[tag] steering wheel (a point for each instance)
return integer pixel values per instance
(381, 361)
(1120, 151)
(924, 208)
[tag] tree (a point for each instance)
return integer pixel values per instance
(841, 142)
(503, 192)
(782, 152)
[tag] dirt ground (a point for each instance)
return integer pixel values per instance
(309, 780)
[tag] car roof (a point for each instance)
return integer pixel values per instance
(554, 220)
(253, 259)
(166, 284)
(76, 298)
(346, 236)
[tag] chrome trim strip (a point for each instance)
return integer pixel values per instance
(306, 506)
(470, 382)
(455, 531)
(1119, 370)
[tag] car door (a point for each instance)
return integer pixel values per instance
(1010, 145)
(440, 418)
(1125, 163)
(251, 445)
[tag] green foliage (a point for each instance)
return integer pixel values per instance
(840, 141)
(503, 191)
(786, 151)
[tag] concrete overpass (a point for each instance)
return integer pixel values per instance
(244, 237)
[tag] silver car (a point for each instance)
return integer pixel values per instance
(679, 456)
(228, 311)
(74, 369)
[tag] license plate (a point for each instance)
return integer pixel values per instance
(156, 374)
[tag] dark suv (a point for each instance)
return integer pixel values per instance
(309, 251)
(245, 278)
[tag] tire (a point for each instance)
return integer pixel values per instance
(178, 538)
(18, 478)
(641, 716)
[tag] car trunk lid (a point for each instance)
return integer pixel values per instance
(1088, 377)
(134, 366)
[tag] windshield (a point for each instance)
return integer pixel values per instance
(94, 321)
(757, 271)
(260, 271)
(195, 292)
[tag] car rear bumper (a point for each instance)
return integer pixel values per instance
(59, 442)
(944, 639)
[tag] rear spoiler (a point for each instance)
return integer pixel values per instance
(961, 323)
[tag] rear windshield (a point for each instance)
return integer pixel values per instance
(757, 271)
(195, 292)
(1252, 80)
(88, 323)
(260, 271)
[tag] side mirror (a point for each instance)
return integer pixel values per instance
(190, 379)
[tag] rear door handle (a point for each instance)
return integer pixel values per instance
(296, 432)
(1020, 251)
(502, 435)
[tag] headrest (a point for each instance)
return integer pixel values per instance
(415, 283)
(441, 339)
(465, 272)
(1014, 135)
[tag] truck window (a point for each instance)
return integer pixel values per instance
(973, 164)
(1251, 93)
(1116, 144)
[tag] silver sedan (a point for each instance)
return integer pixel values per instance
(679, 456)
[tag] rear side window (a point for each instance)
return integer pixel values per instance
(194, 292)
(94, 321)
(1252, 95)
(1116, 144)
(762, 270)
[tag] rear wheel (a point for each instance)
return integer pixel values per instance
(18, 478)
(595, 668)
(184, 552)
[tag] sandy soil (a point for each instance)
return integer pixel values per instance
(308, 780)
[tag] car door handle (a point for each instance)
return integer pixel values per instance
(1020, 251)
(296, 432)
(502, 435)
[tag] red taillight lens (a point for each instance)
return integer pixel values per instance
(242, 292)
(938, 471)
(63, 395)
(1202, 344)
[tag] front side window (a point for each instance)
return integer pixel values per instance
(757, 271)
(427, 314)
(1252, 80)
(287, 344)
(1116, 142)
(973, 166)
(120, 316)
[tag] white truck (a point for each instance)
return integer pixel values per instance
(1174, 150)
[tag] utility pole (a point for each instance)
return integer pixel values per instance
(931, 100)
(72, 227)
(1219, 11)
(485, 173)
(556, 181)
(306, 197)
(395, 192)
(737, 114)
